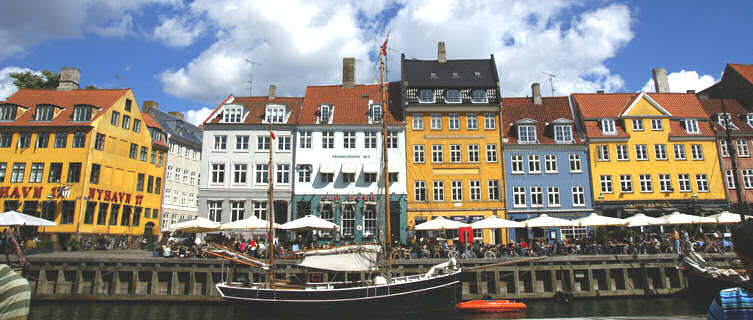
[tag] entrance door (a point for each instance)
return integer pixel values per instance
(395, 220)
(148, 232)
(281, 211)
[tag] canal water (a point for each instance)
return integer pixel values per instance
(609, 308)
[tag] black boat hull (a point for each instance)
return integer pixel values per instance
(706, 287)
(434, 294)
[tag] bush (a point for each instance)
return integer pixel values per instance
(73, 244)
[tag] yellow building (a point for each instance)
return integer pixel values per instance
(83, 158)
(454, 166)
(650, 152)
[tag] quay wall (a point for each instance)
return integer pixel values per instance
(170, 279)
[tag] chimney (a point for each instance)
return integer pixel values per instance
(600, 91)
(690, 91)
(272, 92)
(660, 80)
(441, 53)
(349, 72)
(68, 79)
(147, 106)
(536, 90)
(176, 114)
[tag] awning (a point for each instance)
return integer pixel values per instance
(394, 166)
(371, 168)
(349, 167)
(327, 168)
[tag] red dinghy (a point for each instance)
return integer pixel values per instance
(490, 306)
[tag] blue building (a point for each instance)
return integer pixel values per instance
(546, 164)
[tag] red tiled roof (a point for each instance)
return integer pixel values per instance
(552, 108)
(732, 106)
(351, 104)
(30, 98)
(745, 70)
(593, 130)
(257, 107)
(612, 105)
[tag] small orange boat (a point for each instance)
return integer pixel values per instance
(490, 306)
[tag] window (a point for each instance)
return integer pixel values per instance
(8, 112)
(393, 177)
(153, 156)
(45, 112)
(456, 190)
(534, 163)
(519, 197)
(369, 221)
(607, 126)
(749, 119)
(679, 151)
(660, 151)
(622, 152)
(537, 197)
(418, 121)
(56, 171)
(452, 96)
(115, 118)
(126, 122)
(262, 143)
(260, 209)
(426, 96)
(79, 139)
(349, 177)
(74, 172)
(747, 179)
(473, 153)
(6, 139)
(143, 154)
(283, 173)
(284, 144)
(489, 121)
(575, 165)
(437, 153)
(236, 210)
(683, 180)
(215, 211)
(241, 143)
(696, 151)
(325, 113)
(349, 140)
(563, 134)
(516, 164)
(36, 172)
(491, 153)
(239, 172)
(43, 139)
(304, 140)
(17, 175)
(646, 183)
(475, 188)
(137, 126)
(579, 196)
(723, 148)
(262, 173)
(193, 178)
(637, 124)
(656, 124)
(436, 121)
(326, 212)
(370, 140)
(641, 152)
(220, 143)
(348, 219)
(114, 209)
(454, 121)
(102, 214)
(665, 183)
(304, 173)
(553, 195)
(418, 153)
(3, 168)
(391, 140)
(375, 114)
(606, 184)
(723, 119)
(218, 173)
(455, 153)
(438, 190)
(94, 175)
(157, 185)
(67, 212)
(24, 139)
(550, 163)
(626, 183)
(471, 121)
(140, 182)
(99, 142)
(127, 106)
(368, 177)
(275, 114)
(419, 191)
(730, 177)
(478, 96)
(742, 148)
(328, 140)
(89, 215)
(150, 184)
(493, 189)
(691, 126)
(602, 153)
(232, 115)
(526, 134)
(702, 183)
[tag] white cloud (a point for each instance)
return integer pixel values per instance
(197, 117)
(7, 88)
(683, 81)
(178, 31)
(116, 28)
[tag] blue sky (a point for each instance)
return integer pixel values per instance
(189, 56)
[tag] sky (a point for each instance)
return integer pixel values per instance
(189, 55)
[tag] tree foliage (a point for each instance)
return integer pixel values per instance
(29, 80)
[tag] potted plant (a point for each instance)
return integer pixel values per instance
(157, 251)
(72, 244)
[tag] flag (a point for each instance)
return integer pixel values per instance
(384, 45)
(272, 134)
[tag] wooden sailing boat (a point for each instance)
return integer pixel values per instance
(437, 289)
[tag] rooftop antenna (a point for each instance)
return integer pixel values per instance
(117, 81)
(251, 76)
(551, 80)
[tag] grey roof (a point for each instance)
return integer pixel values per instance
(177, 128)
(470, 73)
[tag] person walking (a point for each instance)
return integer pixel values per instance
(676, 240)
(737, 303)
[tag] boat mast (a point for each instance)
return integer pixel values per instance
(270, 215)
(733, 159)
(385, 149)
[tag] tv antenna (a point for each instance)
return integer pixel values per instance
(251, 76)
(117, 80)
(551, 80)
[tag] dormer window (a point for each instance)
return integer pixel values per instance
(749, 119)
(8, 112)
(476, 75)
(607, 126)
(82, 113)
(455, 75)
(232, 115)
(44, 112)
(433, 75)
(723, 118)
(426, 96)
(275, 114)
(478, 96)
(452, 96)
(325, 113)
(375, 114)
(691, 126)
(563, 134)
(526, 134)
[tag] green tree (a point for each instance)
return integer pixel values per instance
(28, 80)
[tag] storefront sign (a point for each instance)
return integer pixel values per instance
(638, 205)
(351, 156)
(21, 192)
(114, 196)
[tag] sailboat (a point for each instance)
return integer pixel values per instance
(437, 289)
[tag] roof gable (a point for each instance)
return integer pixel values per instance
(644, 105)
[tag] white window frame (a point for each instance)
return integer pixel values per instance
(418, 153)
(602, 152)
(456, 190)
(742, 148)
(493, 189)
(747, 178)
(657, 125)
(328, 139)
(646, 183)
(608, 127)
(456, 153)
(660, 152)
(240, 173)
(553, 196)
(263, 143)
(325, 113)
(220, 143)
(641, 152)
(626, 183)
(453, 121)
(579, 196)
(423, 98)
(232, 115)
(691, 126)
(730, 178)
(563, 134)
(241, 143)
(575, 163)
(475, 190)
(456, 95)
(471, 121)
(679, 152)
(349, 140)
(702, 182)
(473, 153)
(665, 183)
(436, 121)
(516, 164)
(697, 152)
(419, 191)
(526, 134)
(304, 139)
(623, 154)
(437, 153)
(284, 143)
(490, 122)
(275, 114)
(282, 173)
(418, 121)
(217, 173)
(638, 125)
(519, 197)
(534, 163)
(475, 98)
(723, 148)
(683, 180)
(261, 173)
(491, 153)
(369, 139)
(550, 163)
(605, 182)
(437, 190)
(537, 196)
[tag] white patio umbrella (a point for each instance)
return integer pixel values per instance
(307, 223)
(594, 220)
(495, 222)
(642, 220)
(250, 223)
(195, 226)
(15, 218)
(726, 217)
(440, 223)
(544, 220)
(681, 218)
